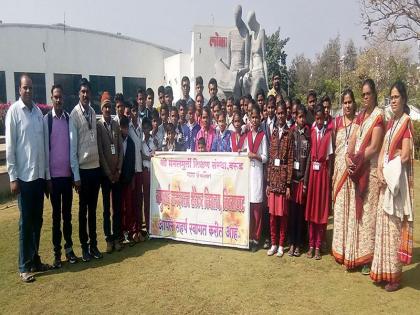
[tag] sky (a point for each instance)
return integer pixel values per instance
(308, 23)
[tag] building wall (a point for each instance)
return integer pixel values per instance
(176, 67)
(55, 49)
(205, 51)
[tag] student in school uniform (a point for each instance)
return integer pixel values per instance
(136, 135)
(147, 151)
(171, 141)
(280, 165)
(319, 188)
(157, 134)
(190, 129)
(301, 139)
(256, 144)
(128, 213)
(222, 141)
(201, 145)
(268, 126)
(238, 136)
(207, 131)
(174, 119)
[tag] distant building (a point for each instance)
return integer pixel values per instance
(62, 54)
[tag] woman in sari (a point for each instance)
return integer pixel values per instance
(394, 223)
(342, 185)
(362, 159)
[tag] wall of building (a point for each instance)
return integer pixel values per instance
(207, 46)
(57, 49)
(176, 67)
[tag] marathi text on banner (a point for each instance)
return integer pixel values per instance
(200, 198)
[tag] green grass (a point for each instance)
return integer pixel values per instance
(161, 276)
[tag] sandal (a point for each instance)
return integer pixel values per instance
(26, 277)
(366, 270)
(391, 287)
(317, 254)
(297, 252)
(310, 253)
(291, 251)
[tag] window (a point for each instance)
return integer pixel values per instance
(3, 97)
(70, 84)
(100, 84)
(38, 83)
(131, 85)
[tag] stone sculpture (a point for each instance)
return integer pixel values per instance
(257, 78)
(230, 73)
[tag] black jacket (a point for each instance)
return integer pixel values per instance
(129, 162)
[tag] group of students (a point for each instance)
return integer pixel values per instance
(305, 165)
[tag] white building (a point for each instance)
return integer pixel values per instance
(62, 54)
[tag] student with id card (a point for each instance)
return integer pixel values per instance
(319, 188)
(110, 158)
(279, 181)
(190, 129)
(147, 151)
(301, 134)
(256, 146)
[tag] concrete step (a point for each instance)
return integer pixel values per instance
(2, 139)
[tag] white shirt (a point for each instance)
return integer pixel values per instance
(270, 123)
(147, 149)
(319, 135)
(256, 176)
(136, 135)
(25, 143)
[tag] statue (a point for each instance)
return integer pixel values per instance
(230, 74)
(257, 77)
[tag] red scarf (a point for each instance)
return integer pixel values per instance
(236, 146)
(253, 146)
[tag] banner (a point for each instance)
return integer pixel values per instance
(200, 198)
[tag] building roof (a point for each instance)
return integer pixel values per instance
(68, 28)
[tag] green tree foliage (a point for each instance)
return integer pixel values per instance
(276, 56)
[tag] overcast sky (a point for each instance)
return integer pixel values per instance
(309, 24)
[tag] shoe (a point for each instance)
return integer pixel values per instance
(391, 287)
(126, 238)
(136, 237)
(272, 250)
(310, 253)
(117, 246)
(297, 252)
(109, 247)
(317, 254)
(39, 266)
(70, 256)
(280, 252)
(26, 277)
(254, 246)
(95, 253)
(366, 270)
(86, 255)
(267, 244)
(57, 261)
(291, 251)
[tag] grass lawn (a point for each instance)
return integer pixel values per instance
(160, 276)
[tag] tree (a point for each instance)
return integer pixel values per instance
(275, 56)
(300, 74)
(326, 70)
(350, 56)
(395, 20)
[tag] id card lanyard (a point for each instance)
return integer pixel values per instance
(89, 121)
(316, 166)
